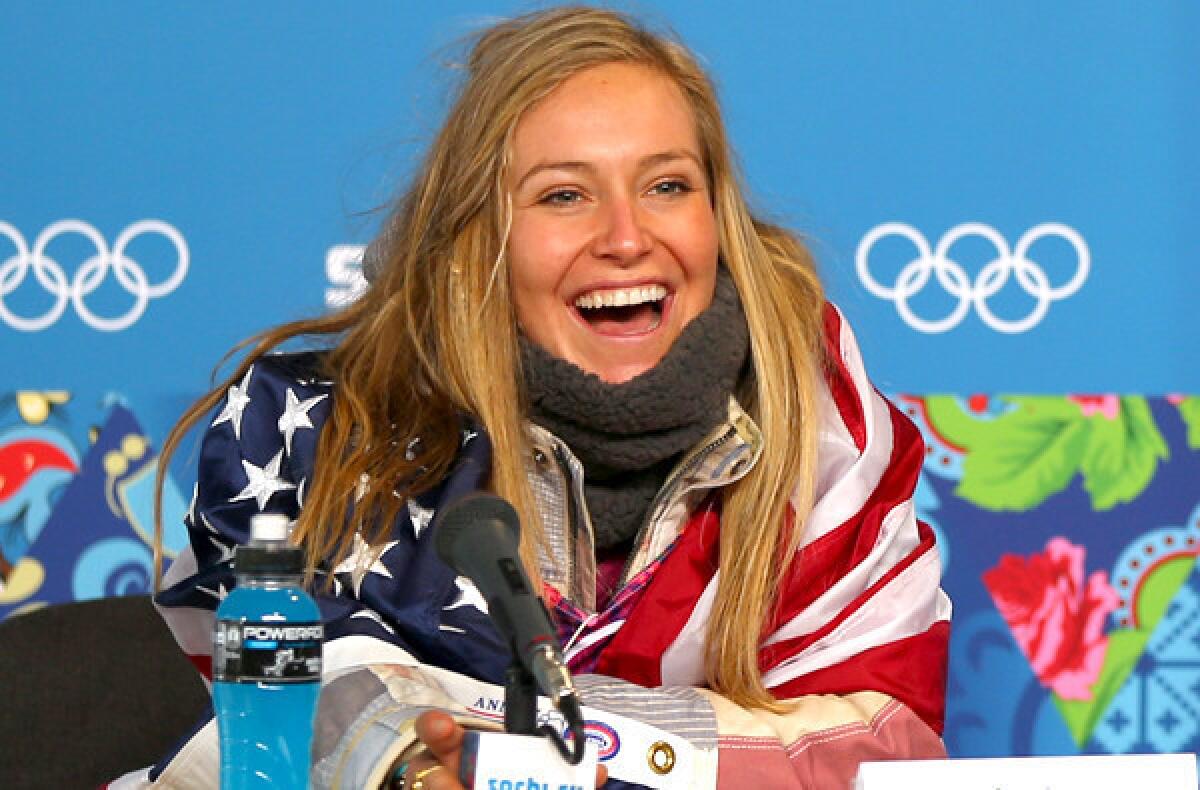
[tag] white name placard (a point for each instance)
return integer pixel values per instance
(1099, 772)
(500, 761)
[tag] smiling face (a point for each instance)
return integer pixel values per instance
(613, 247)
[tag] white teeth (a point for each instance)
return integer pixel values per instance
(619, 297)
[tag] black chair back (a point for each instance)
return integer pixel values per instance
(90, 691)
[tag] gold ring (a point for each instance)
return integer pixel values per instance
(418, 782)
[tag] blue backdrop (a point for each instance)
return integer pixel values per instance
(999, 196)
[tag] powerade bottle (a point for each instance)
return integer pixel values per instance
(267, 664)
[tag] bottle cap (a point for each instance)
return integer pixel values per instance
(268, 551)
(272, 527)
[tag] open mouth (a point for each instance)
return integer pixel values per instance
(623, 311)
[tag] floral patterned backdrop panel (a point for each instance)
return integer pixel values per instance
(1069, 529)
(76, 502)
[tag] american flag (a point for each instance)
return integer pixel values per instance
(861, 616)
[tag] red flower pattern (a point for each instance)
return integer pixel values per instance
(1056, 618)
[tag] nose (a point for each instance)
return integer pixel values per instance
(623, 235)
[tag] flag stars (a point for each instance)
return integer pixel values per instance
(362, 560)
(419, 516)
(224, 551)
(207, 524)
(368, 614)
(468, 595)
(190, 518)
(219, 593)
(295, 416)
(236, 402)
(262, 482)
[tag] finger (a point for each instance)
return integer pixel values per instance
(442, 779)
(434, 775)
(601, 775)
(443, 737)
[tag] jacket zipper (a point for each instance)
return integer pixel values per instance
(686, 467)
(568, 479)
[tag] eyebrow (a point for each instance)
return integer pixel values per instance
(644, 163)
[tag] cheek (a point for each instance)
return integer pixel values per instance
(699, 257)
(695, 234)
(537, 256)
(526, 273)
(534, 279)
(531, 304)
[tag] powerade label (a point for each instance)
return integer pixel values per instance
(267, 652)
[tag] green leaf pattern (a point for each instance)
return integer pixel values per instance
(1015, 461)
(1122, 454)
(1189, 409)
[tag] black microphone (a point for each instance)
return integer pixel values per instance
(478, 536)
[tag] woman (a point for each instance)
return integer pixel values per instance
(572, 306)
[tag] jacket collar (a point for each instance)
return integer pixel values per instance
(722, 457)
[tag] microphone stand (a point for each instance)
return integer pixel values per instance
(520, 700)
(520, 712)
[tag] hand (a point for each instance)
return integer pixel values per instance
(443, 740)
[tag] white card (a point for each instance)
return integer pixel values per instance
(501, 761)
(1098, 772)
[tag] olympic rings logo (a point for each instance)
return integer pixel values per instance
(91, 274)
(991, 278)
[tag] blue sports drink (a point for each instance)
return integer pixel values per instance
(266, 665)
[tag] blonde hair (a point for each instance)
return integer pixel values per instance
(434, 336)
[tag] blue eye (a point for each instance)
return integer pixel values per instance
(672, 186)
(562, 197)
